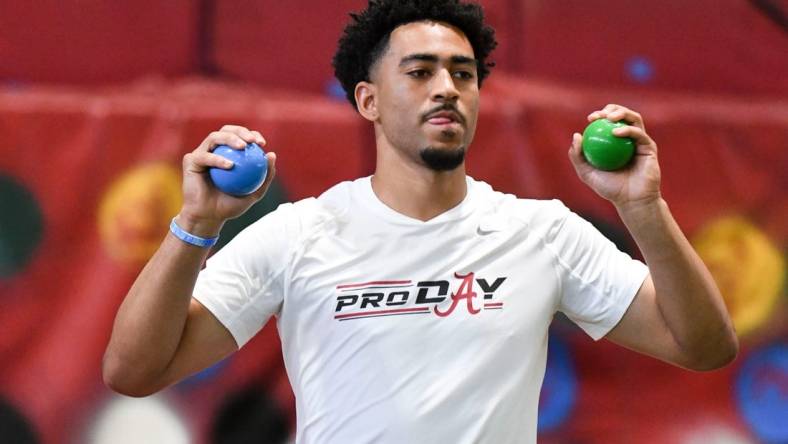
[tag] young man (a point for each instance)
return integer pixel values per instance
(414, 305)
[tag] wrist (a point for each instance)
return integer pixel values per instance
(646, 214)
(199, 226)
(643, 206)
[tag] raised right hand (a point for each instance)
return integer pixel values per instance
(205, 208)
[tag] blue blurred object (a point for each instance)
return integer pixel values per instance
(762, 393)
(204, 376)
(640, 69)
(247, 174)
(559, 389)
(334, 90)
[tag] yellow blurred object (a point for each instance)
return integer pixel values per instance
(748, 268)
(136, 210)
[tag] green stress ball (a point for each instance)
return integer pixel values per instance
(602, 149)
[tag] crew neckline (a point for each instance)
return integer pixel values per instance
(380, 209)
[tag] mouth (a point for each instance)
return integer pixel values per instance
(444, 118)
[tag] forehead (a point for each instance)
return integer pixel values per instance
(441, 39)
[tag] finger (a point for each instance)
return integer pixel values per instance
(271, 169)
(576, 146)
(217, 138)
(234, 128)
(602, 113)
(242, 132)
(639, 135)
(269, 178)
(617, 113)
(258, 138)
(576, 155)
(627, 115)
(200, 161)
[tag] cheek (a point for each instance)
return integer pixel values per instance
(472, 114)
(472, 100)
(399, 118)
(401, 100)
(398, 107)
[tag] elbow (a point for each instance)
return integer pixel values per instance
(117, 378)
(126, 389)
(719, 356)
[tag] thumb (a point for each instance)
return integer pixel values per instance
(271, 156)
(582, 167)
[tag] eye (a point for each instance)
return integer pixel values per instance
(464, 75)
(419, 73)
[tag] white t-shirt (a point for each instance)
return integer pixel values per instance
(396, 330)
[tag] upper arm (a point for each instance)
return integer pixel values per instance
(205, 341)
(643, 328)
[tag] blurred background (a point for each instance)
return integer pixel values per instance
(100, 100)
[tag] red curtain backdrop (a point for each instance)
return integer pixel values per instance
(71, 149)
(101, 102)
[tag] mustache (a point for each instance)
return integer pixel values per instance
(445, 107)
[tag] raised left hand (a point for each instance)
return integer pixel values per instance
(637, 183)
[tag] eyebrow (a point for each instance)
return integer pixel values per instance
(455, 59)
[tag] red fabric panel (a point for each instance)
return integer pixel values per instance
(505, 16)
(273, 43)
(93, 41)
(707, 45)
(719, 155)
(721, 152)
(626, 397)
(68, 148)
(715, 46)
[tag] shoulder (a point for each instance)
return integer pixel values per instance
(535, 213)
(337, 199)
(300, 218)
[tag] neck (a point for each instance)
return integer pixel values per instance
(409, 187)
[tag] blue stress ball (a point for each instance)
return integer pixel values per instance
(248, 172)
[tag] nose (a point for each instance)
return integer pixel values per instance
(443, 88)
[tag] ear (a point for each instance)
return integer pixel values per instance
(367, 100)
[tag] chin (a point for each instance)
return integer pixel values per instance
(448, 140)
(447, 158)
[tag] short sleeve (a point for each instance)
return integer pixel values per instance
(598, 281)
(241, 285)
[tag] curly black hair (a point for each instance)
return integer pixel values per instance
(366, 37)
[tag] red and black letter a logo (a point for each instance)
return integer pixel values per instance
(464, 292)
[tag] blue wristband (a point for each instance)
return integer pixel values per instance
(189, 238)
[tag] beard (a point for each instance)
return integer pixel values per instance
(443, 159)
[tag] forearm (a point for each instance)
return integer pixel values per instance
(150, 322)
(686, 295)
